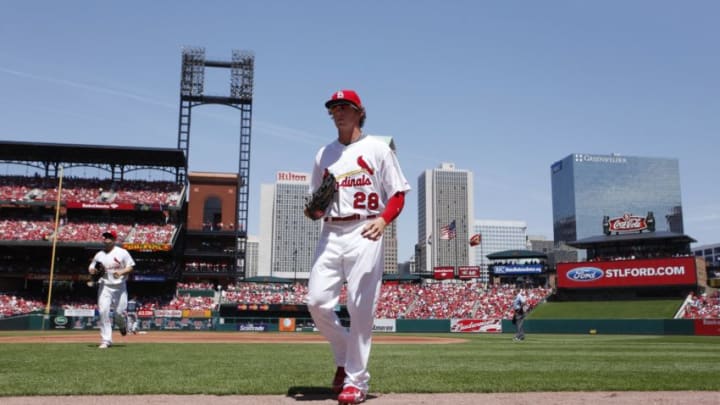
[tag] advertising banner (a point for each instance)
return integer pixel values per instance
(196, 313)
(145, 313)
(156, 278)
(168, 313)
(475, 326)
(99, 206)
(708, 327)
(384, 325)
(499, 269)
(468, 272)
(147, 247)
(443, 272)
(79, 312)
(286, 324)
(164, 323)
(628, 273)
(75, 322)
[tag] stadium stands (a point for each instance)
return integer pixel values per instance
(703, 306)
(434, 300)
(21, 189)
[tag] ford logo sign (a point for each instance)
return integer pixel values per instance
(61, 321)
(585, 274)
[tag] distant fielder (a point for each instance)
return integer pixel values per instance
(369, 194)
(112, 291)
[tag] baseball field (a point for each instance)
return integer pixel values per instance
(230, 367)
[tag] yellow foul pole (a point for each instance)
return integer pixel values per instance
(54, 244)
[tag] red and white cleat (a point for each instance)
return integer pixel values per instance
(351, 395)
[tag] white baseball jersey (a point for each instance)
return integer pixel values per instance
(115, 260)
(367, 172)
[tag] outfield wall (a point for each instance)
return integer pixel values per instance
(710, 327)
(606, 326)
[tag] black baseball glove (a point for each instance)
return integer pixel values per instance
(99, 272)
(321, 198)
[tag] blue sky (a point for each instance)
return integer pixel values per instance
(502, 89)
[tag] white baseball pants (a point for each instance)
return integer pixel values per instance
(343, 255)
(114, 296)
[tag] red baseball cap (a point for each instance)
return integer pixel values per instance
(110, 234)
(344, 96)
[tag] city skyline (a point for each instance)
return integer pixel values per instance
(500, 89)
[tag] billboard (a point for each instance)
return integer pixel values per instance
(476, 325)
(468, 272)
(443, 272)
(628, 273)
(502, 269)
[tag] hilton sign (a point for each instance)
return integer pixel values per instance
(292, 177)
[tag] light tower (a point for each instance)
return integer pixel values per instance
(192, 83)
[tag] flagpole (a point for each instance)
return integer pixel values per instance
(457, 255)
(54, 244)
(482, 260)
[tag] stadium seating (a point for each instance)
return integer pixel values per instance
(430, 300)
(80, 190)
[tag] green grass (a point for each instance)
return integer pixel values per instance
(640, 309)
(485, 363)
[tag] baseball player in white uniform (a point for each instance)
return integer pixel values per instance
(370, 194)
(112, 290)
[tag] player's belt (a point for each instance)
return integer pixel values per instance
(354, 217)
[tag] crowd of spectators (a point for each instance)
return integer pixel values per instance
(11, 305)
(20, 189)
(25, 230)
(79, 231)
(264, 293)
(703, 306)
(428, 300)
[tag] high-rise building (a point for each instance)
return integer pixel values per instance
(497, 236)
(586, 188)
(251, 255)
(445, 215)
(287, 237)
(390, 233)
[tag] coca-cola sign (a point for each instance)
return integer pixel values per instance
(628, 223)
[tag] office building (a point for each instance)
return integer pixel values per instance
(445, 215)
(586, 188)
(497, 236)
(287, 237)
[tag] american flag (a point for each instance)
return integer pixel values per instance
(448, 231)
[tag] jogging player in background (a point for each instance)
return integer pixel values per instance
(112, 287)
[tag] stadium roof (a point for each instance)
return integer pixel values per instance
(517, 254)
(622, 239)
(91, 154)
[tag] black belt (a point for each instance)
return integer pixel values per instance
(350, 218)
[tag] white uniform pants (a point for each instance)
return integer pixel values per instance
(344, 255)
(114, 296)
